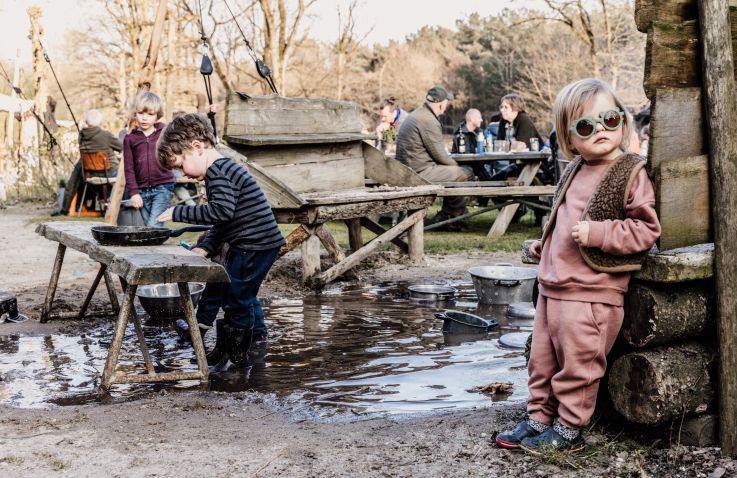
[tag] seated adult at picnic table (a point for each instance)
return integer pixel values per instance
(470, 128)
(92, 139)
(516, 123)
(391, 117)
(420, 146)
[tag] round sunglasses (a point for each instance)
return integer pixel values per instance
(585, 127)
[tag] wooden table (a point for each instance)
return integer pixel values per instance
(532, 162)
(134, 266)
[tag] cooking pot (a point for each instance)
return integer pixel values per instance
(431, 293)
(163, 300)
(503, 284)
(138, 236)
(457, 322)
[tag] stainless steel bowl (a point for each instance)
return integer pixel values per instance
(503, 284)
(431, 293)
(163, 301)
(521, 314)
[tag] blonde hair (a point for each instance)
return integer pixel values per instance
(147, 102)
(569, 105)
(515, 101)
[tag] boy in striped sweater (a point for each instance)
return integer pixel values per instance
(240, 216)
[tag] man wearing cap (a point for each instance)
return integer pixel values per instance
(420, 146)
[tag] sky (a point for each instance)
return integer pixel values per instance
(390, 19)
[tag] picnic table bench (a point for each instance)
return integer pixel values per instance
(136, 265)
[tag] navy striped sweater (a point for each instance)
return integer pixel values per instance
(237, 209)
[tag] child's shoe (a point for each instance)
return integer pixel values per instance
(512, 439)
(551, 440)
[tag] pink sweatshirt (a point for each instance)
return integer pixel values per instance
(563, 273)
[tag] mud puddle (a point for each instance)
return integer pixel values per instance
(362, 350)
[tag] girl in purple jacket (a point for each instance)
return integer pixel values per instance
(150, 186)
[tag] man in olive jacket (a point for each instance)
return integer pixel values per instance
(420, 146)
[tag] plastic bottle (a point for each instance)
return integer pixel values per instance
(480, 142)
(489, 146)
(462, 144)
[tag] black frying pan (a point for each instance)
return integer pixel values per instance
(138, 236)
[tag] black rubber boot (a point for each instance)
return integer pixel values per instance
(219, 351)
(238, 344)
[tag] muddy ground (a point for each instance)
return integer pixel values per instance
(200, 433)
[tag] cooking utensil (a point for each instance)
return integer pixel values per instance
(431, 293)
(163, 300)
(138, 236)
(521, 314)
(503, 284)
(457, 322)
(515, 340)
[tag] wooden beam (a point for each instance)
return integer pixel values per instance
(329, 242)
(416, 239)
(670, 11)
(378, 229)
(672, 58)
(147, 71)
(676, 126)
(295, 238)
(310, 255)
(507, 191)
(388, 171)
(355, 236)
(721, 113)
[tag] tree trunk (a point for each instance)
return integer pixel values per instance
(653, 386)
(655, 315)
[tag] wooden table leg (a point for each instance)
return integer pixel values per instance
(108, 374)
(355, 238)
(95, 283)
(111, 292)
(507, 214)
(194, 330)
(139, 332)
(310, 256)
(53, 282)
(416, 239)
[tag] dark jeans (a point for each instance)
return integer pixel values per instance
(247, 270)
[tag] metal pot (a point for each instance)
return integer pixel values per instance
(431, 293)
(163, 300)
(503, 284)
(457, 322)
(515, 340)
(521, 314)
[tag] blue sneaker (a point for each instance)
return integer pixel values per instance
(512, 439)
(551, 440)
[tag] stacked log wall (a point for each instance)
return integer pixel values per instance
(668, 373)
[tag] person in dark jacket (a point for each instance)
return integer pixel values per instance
(470, 128)
(92, 139)
(515, 122)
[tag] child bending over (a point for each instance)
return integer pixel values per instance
(602, 225)
(241, 217)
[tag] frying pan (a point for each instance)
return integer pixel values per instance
(138, 236)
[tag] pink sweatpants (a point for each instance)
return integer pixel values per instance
(570, 341)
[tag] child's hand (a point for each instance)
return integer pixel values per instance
(200, 251)
(536, 249)
(166, 215)
(581, 233)
(137, 201)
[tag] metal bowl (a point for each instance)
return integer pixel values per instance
(163, 301)
(431, 293)
(521, 314)
(503, 284)
(457, 322)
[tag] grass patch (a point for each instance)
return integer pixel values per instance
(12, 460)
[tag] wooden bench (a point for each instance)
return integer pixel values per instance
(311, 159)
(134, 266)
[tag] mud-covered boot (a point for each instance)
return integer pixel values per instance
(238, 344)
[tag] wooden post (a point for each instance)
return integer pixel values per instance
(355, 239)
(416, 239)
(9, 140)
(53, 282)
(310, 255)
(721, 115)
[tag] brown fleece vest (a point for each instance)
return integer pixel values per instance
(608, 201)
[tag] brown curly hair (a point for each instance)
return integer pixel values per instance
(178, 135)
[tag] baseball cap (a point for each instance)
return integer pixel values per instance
(437, 93)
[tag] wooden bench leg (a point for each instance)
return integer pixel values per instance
(310, 256)
(502, 221)
(416, 239)
(108, 374)
(355, 237)
(53, 282)
(194, 330)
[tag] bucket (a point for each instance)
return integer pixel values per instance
(503, 284)
(430, 293)
(130, 216)
(457, 322)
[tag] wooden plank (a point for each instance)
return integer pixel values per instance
(505, 216)
(278, 194)
(362, 209)
(295, 238)
(720, 100)
(335, 175)
(294, 139)
(388, 171)
(378, 229)
(266, 156)
(682, 201)
(508, 191)
(677, 128)
(272, 115)
(669, 11)
(329, 242)
(370, 194)
(310, 256)
(673, 57)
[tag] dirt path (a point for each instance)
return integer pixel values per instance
(198, 433)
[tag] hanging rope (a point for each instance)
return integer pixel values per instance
(206, 70)
(48, 60)
(262, 68)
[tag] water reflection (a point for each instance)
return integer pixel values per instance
(365, 349)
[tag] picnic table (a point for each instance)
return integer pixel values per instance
(136, 265)
(520, 192)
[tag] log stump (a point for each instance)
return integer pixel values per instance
(655, 315)
(653, 386)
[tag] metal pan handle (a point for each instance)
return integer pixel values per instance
(179, 232)
(440, 315)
